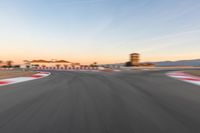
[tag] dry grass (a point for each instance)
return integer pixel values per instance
(14, 73)
(194, 72)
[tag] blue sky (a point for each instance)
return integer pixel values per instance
(105, 31)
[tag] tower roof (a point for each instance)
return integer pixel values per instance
(135, 54)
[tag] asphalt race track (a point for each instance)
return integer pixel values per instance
(116, 102)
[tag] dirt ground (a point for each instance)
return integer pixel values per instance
(14, 73)
(194, 72)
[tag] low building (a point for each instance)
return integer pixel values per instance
(59, 64)
(148, 64)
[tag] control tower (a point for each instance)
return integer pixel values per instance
(135, 59)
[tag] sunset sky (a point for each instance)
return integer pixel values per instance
(106, 31)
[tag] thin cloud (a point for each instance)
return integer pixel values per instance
(81, 2)
(171, 40)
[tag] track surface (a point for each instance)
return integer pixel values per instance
(126, 102)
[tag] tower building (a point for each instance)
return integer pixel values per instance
(135, 59)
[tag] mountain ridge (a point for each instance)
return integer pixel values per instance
(193, 62)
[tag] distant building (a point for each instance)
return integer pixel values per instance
(52, 64)
(135, 59)
(147, 64)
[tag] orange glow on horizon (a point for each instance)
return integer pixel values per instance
(85, 61)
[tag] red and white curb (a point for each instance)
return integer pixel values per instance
(185, 77)
(68, 68)
(23, 79)
(81, 69)
(7, 69)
